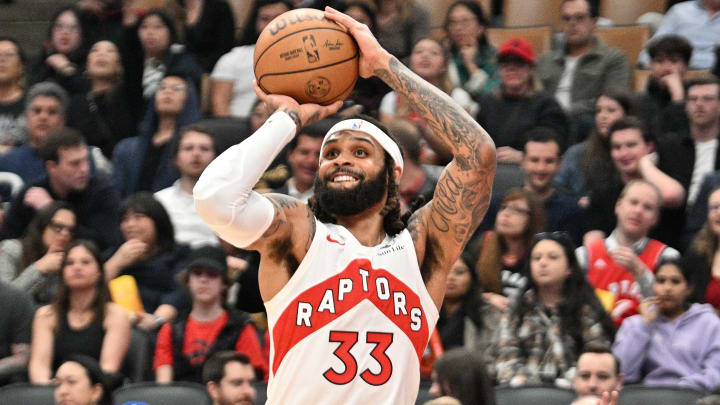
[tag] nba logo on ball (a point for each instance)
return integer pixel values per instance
(310, 48)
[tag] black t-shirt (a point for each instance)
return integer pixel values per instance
(12, 123)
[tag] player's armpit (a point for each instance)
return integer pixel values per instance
(293, 226)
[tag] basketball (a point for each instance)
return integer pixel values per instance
(307, 57)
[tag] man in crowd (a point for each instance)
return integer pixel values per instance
(696, 20)
(229, 377)
(621, 266)
(598, 371)
(193, 151)
(95, 202)
(417, 180)
(584, 68)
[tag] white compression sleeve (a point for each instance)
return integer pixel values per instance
(223, 194)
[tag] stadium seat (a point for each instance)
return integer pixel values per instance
(177, 393)
(540, 37)
(630, 39)
(645, 395)
(138, 360)
(507, 176)
(627, 12)
(640, 79)
(227, 131)
(534, 394)
(524, 13)
(260, 392)
(26, 393)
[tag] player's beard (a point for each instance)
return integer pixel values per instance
(351, 201)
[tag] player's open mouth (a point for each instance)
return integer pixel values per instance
(343, 178)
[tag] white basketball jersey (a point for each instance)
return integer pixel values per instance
(351, 324)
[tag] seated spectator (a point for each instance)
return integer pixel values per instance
(208, 28)
(63, 56)
(473, 61)
(80, 381)
(15, 324)
(12, 94)
(631, 150)
(46, 106)
(460, 373)
(193, 150)
(103, 113)
(231, 90)
(702, 256)
(429, 61)
(669, 342)
(150, 53)
(418, 180)
(303, 156)
(552, 320)
(697, 22)
(621, 266)
(150, 254)
(144, 162)
(588, 162)
(184, 345)
(664, 97)
(401, 23)
(82, 320)
(68, 179)
(517, 107)
(32, 263)
(598, 371)
(229, 377)
(584, 68)
(503, 252)
(368, 92)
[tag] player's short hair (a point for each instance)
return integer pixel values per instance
(543, 135)
(59, 139)
(214, 368)
(598, 348)
(671, 45)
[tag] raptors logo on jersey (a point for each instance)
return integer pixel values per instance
(351, 320)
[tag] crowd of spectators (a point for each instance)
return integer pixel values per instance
(599, 254)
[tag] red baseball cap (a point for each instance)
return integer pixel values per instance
(518, 48)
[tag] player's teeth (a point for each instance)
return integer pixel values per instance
(339, 179)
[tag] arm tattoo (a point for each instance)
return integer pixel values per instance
(295, 117)
(280, 203)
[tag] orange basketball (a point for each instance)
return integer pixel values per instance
(307, 57)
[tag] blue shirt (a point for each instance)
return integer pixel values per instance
(691, 20)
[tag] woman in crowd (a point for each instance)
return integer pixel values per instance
(473, 65)
(632, 154)
(144, 162)
(588, 162)
(508, 113)
(80, 381)
(63, 56)
(551, 320)
(82, 319)
(671, 342)
(400, 24)
(503, 252)
(208, 28)
(231, 90)
(12, 94)
(151, 52)
(33, 263)
(460, 374)
(703, 257)
(149, 254)
(103, 113)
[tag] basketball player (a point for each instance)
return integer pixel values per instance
(352, 293)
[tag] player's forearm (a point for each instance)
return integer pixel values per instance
(450, 124)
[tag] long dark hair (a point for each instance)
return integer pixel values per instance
(32, 243)
(599, 168)
(249, 35)
(167, 21)
(61, 305)
(576, 290)
(471, 302)
(476, 9)
(144, 203)
(706, 241)
(82, 46)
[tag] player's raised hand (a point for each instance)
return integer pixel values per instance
(302, 114)
(372, 55)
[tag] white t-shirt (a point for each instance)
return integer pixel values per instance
(189, 227)
(562, 94)
(237, 66)
(388, 104)
(704, 164)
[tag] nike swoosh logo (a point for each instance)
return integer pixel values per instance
(335, 241)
